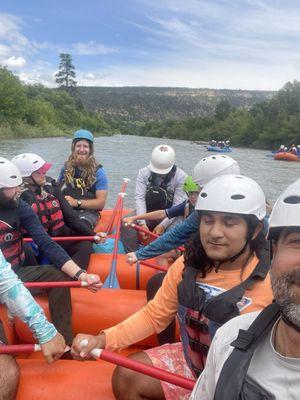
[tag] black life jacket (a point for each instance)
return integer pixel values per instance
(48, 210)
(233, 382)
(77, 188)
(199, 318)
(159, 195)
(10, 237)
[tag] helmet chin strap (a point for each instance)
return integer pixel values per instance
(32, 182)
(217, 264)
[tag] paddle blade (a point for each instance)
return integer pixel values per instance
(111, 282)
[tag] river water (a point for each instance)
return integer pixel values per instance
(122, 156)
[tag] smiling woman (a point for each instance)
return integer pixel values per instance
(84, 181)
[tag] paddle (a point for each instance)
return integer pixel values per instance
(117, 359)
(61, 284)
(154, 235)
(71, 238)
(112, 281)
(155, 266)
(113, 215)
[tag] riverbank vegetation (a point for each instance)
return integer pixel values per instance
(36, 111)
(264, 125)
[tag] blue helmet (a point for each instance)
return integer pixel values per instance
(83, 134)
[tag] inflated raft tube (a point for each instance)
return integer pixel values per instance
(129, 276)
(105, 217)
(219, 149)
(65, 380)
(93, 312)
(286, 157)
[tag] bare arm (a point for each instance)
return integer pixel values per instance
(151, 216)
(90, 204)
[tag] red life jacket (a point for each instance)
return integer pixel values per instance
(199, 317)
(49, 212)
(11, 237)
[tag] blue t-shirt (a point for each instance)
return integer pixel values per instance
(176, 211)
(101, 179)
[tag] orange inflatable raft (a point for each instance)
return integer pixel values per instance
(91, 313)
(70, 379)
(286, 157)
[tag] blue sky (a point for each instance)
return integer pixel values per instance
(241, 44)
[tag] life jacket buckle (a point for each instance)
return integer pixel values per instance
(194, 323)
(198, 347)
(244, 340)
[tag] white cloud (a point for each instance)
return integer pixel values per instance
(14, 62)
(10, 33)
(93, 48)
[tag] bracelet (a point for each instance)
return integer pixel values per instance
(78, 273)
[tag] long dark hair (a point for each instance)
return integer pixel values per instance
(196, 257)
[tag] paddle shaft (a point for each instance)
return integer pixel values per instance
(112, 275)
(145, 369)
(117, 359)
(70, 238)
(154, 235)
(49, 285)
(155, 266)
(113, 216)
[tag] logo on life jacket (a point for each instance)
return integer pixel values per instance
(8, 237)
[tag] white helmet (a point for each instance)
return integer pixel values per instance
(212, 166)
(29, 163)
(286, 210)
(235, 194)
(162, 159)
(9, 174)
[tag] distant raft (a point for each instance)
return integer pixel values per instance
(219, 149)
(285, 156)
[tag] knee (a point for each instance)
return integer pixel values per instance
(122, 380)
(10, 375)
(154, 284)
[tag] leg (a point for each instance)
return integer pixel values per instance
(9, 377)
(131, 385)
(30, 257)
(129, 238)
(59, 298)
(79, 252)
(154, 283)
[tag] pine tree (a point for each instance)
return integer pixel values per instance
(66, 75)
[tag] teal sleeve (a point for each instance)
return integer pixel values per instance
(21, 304)
(173, 238)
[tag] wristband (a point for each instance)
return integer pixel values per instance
(78, 273)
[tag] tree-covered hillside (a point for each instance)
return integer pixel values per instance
(154, 103)
(265, 125)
